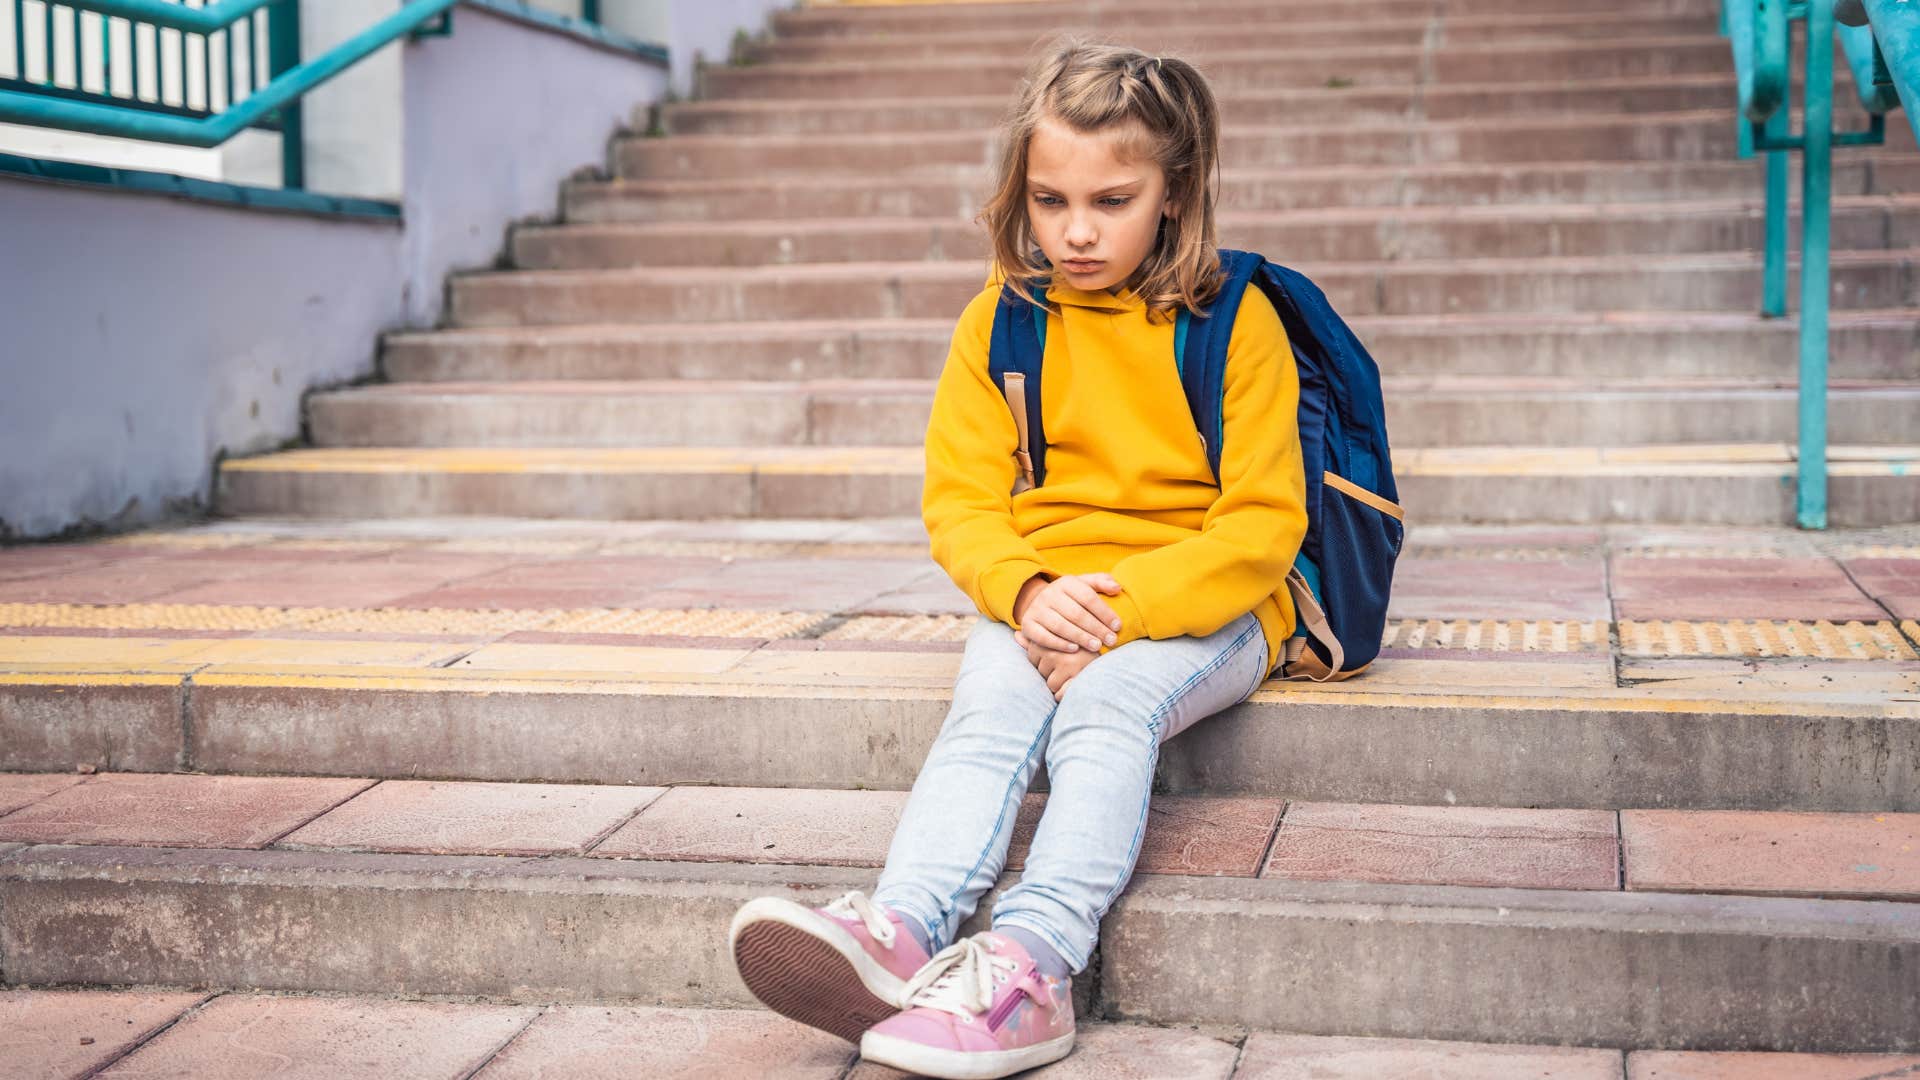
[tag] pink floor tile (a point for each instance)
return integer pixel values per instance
(762, 825)
(1308, 1057)
(49, 560)
(1751, 851)
(1561, 589)
(128, 582)
(791, 584)
(1186, 834)
(596, 572)
(19, 789)
(176, 810)
(931, 594)
(592, 1043)
(297, 1038)
(68, 1033)
(1447, 845)
(437, 818)
(1895, 583)
(1698, 1065)
(1658, 588)
(1121, 1052)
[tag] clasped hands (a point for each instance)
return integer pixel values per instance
(1064, 623)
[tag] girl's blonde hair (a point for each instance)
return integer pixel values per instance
(1165, 112)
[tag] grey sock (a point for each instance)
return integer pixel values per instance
(919, 933)
(1044, 957)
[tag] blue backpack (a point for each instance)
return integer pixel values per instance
(1340, 580)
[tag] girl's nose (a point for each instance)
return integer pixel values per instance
(1080, 232)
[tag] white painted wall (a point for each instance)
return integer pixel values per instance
(141, 337)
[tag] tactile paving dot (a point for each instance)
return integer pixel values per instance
(1819, 640)
(1490, 635)
(685, 623)
(903, 628)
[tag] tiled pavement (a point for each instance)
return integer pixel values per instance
(61, 1034)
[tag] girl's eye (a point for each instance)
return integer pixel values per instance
(1115, 201)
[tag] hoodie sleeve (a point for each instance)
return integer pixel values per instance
(967, 501)
(1256, 524)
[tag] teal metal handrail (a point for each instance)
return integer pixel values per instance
(1761, 35)
(273, 104)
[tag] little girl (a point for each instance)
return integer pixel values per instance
(1123, 599)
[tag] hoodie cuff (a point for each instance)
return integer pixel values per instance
(1000, 586)
(1132, 624)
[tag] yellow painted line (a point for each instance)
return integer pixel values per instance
(123, 652)
(143, 653)
(627, 659)
(86, 678)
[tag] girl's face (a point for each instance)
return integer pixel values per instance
(1093, 214)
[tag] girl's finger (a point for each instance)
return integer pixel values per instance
(1106, 583)
(1104, 620)
(1046, 628)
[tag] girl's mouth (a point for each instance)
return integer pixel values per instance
(1077, 267)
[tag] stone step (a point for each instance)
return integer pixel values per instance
(1745, 484)
(1357, 234)
(193, 1033)
(1421, 412)
(1679, 136)
(624, 893)
(187, 1033)
(1633, 55)
(1193, 14)
(913, 290)
(960, 196)
(1601, 345)
(830, 116)
(1564, 667)
(991, 42)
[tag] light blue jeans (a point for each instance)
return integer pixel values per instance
(1100, 743)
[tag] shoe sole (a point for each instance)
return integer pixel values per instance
(961, 1064)
(797, 972)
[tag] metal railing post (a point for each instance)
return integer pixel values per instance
(1773, 279)
(1816, 190)
(283, 54)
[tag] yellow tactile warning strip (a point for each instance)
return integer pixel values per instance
(1756, 638)
(189, 541)
(1490, 635)
(1735, 638)
(903, 628)
(668, 623)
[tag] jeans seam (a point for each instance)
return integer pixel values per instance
(1139, 832)
(948, 906)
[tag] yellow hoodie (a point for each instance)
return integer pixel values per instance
(1127, 488)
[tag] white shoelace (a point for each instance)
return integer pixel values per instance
(959, 980)
(856, 904)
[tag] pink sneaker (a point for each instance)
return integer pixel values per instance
(841, 968)
(978, 1010)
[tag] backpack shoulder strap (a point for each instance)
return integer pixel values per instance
(1014, 355)
(1200, 350)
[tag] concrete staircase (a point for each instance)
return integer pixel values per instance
(1533, 214)
(1634, 790)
